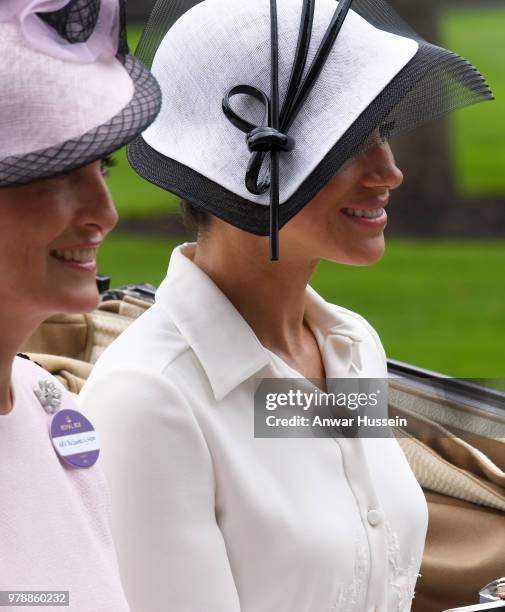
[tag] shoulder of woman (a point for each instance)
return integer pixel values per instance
(360, 326)
(29, 370)
(133, 391)
(143, 413)
(150, 344)
(30, 373)
(25, 359)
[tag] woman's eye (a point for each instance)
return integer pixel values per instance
(63, 176)
(385, 130)
(107, 163)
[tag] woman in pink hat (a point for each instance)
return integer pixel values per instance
(70, 94)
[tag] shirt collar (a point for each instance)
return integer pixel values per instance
(223, 342)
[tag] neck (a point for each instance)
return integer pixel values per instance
(269, 295)
(14, 332)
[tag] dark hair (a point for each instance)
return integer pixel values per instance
(195, 217)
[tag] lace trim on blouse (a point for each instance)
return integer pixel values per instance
(351, 597)
(401, 580)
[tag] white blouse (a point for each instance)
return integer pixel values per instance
(208, 518)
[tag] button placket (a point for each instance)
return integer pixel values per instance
(361, 484)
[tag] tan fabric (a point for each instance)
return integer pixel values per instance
(66, 335)
(85, 337)
(461, 455)
(462, 420)
(72, 373)
(465, 550)
(465, 490)
(463, 479)
(465, 545)
(436, 474)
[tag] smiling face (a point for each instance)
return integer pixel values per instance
(346, 220)
(49, 233)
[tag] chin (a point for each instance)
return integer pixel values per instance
(369, 258)
(358, 254)
(77, 302)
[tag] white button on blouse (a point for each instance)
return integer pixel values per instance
(208, 518)
(374, 517)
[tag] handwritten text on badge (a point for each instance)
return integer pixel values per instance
(74, 438)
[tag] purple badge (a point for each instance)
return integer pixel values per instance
(74, 438)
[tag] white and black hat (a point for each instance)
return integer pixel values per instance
(264, 100)
(70, 92)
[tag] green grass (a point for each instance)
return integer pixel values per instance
(478, 132)
(134, 196)
(436, 304)
(130, 259)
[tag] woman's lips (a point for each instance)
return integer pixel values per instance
(81, 258)
(369, 213)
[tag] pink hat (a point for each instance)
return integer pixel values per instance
(71, 92)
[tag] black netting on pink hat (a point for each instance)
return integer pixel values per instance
(76, 21)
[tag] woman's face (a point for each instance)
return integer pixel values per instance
(49, 233)
(346, 219)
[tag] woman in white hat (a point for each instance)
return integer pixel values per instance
(70, 94)
(275, 114)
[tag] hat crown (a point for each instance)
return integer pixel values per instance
(49, 101)
(79, 31)
(218, 44)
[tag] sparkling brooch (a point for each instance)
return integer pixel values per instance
(48, 395)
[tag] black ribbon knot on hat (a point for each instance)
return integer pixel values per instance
(272, 137)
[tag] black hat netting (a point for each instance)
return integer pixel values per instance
(434, 82)
(95, 144)
(76, 21)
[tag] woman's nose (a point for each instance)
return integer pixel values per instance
(380, 169)
(97, 210)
